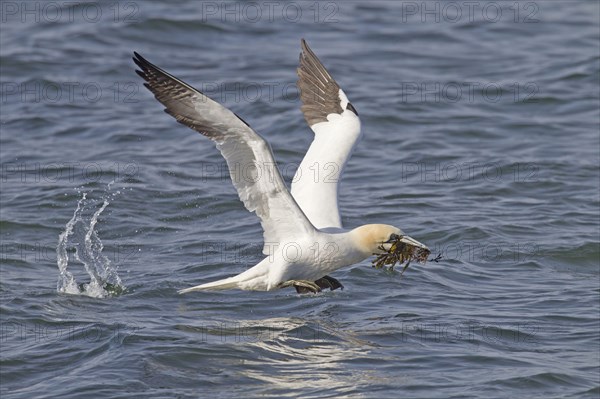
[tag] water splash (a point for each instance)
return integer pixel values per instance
(66, 280)
(81, 235)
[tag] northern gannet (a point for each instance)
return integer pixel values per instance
(304, 239)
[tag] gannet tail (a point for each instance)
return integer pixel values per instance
(224, 284)
(255, 278)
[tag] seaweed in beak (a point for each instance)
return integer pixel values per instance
(403, 249)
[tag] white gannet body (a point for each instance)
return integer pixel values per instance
(303, 235)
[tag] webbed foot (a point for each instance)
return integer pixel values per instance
(302, 286)
(329, 282)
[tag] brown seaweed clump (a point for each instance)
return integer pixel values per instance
(401, 252)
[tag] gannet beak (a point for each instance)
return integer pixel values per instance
(387, 246)
(411, 241)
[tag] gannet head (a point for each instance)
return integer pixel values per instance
(371, 238)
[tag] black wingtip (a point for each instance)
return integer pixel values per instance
(304, 45)
(137, 56)
(304, 49)
(138, 62)
(141, 61)
(350, 107)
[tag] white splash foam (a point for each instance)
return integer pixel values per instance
(66, 282)
(81, 234)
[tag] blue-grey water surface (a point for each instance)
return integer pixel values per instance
(481, 139)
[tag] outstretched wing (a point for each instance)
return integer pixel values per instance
(336, 126)
(252, 167)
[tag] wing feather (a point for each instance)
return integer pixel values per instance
(252, 167)
(336, 126)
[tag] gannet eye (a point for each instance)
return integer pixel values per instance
(393, 237)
